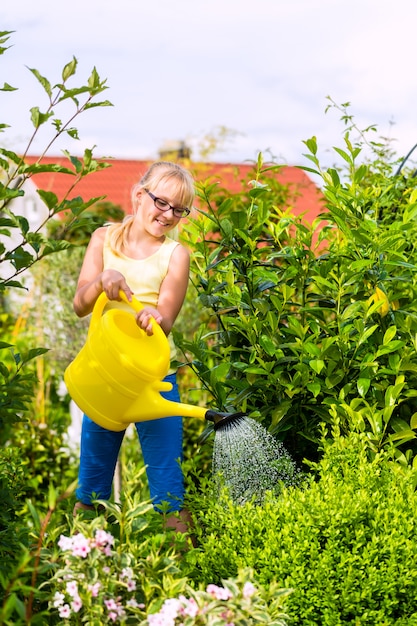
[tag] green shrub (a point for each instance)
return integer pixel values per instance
(305, 317)
(344, 542)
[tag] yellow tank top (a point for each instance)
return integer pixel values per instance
(144, 276)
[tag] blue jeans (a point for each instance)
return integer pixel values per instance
(161, 442)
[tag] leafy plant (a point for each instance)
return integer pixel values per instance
(307, 317)
(29, 247)
(21, 247)
(343, 540)
(236, 602)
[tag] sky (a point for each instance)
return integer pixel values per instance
(181, 70)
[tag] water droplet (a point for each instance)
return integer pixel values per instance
(248, 461)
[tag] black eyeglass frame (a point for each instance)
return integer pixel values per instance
(177, 211)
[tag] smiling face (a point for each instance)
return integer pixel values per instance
(164, 187)
(158, 223)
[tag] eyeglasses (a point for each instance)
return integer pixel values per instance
(163, 205)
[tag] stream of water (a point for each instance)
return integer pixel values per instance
(248, 461)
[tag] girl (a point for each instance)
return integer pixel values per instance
(138, 258)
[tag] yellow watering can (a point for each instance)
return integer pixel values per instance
(117, 376)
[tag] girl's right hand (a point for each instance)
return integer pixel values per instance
(112, 282)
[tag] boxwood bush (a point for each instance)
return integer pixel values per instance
(344, 542)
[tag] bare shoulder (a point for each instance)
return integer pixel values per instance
(99, 234)
(181, 253)
(97, 238)
(179, 263)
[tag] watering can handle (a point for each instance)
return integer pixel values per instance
(101, 302)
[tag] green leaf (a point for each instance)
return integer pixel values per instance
(315, 388)
(390, 347)
(363, 385)
(399, 425)
(49, 198)
(367, 333)
(20, 258)
(347, 157)
(43, 81)
(392, 394)
(389, 334)
(39, 118)
(317, 365)
(267, 344)
(312, 144)
(7, 87)
(402, 436)
(256, 370)
(69, 69)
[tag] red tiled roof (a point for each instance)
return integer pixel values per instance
(115, 182)
(304, 196)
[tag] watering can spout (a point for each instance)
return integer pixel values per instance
(222, 419)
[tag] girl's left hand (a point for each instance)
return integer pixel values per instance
(146, 316)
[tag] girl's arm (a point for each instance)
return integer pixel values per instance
(93, 280)
(171, 295)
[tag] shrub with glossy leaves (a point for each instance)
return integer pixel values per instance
(307, 318)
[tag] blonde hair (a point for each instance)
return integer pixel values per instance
(160, 171)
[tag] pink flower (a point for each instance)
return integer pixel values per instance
(103, 538)
(64, 611)
(131, 585)
(248, 590)
(219, 593)
(158, 619)
(76, 604)
(191, 607)
(110, 604)
(80, 545)
(226, 615)
(72, 588)
(94, 589)
(171, 609)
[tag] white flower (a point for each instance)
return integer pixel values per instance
(58, 599)
(127, 572)
(65, 543)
